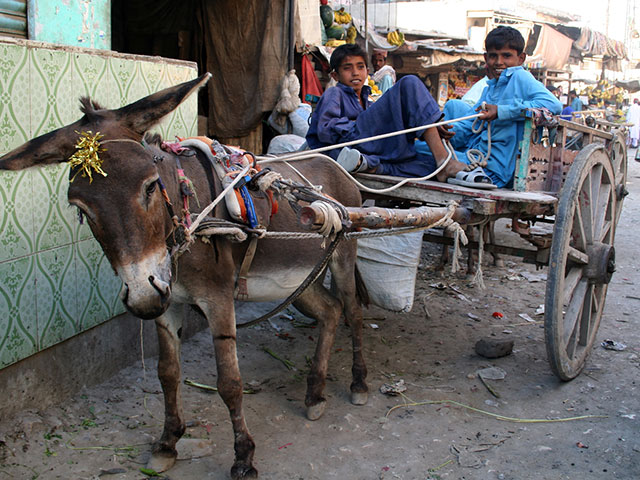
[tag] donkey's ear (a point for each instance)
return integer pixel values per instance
(140, 116)
(52, 147)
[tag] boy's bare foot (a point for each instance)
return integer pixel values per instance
(451, 169)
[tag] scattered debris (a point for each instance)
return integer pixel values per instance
(490, 347)
(534, 277)
(465, 458)
(276, 327)
(473, 317)
(497, 315)
(438, 286)
(526, 317)
(540, 310)
(613, 345)
(374, 326)
(111, 471)
(393, 389)
(192, 448)
(581, 445)
(492, 373)
(290, 365)
(209, 388)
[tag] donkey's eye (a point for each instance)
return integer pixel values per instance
(151, 188)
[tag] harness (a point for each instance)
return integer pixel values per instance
(230, 165)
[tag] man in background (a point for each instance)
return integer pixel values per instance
(383, 75)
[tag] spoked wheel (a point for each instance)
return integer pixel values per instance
(619, 162)
(582, 261)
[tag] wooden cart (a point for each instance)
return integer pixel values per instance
(579, 187)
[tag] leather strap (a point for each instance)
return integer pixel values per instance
(241, 292)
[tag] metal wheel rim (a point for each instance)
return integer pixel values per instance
(574, 304)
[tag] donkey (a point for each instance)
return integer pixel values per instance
(128, 216)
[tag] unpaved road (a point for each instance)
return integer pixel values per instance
(106, 430)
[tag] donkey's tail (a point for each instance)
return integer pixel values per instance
(362, 294)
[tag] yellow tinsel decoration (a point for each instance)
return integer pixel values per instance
(87, 155)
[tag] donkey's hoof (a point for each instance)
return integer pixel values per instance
(241, 471)
(314, 412)
(359, 398)
(162, 460)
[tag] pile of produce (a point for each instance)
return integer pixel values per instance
(604, 92)
(337, 26)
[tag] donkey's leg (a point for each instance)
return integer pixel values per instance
(223, 326)
(471, 257)
(169, 329)
(444, 255)
(343, 274)
(498, 261)
(318, 303)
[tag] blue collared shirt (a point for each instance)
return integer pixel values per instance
(513, 92)
(334, 118)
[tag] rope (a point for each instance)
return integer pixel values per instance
(297, 155)
(311, 278)
(364, 188)
(217, 200)
(266, 180)
(477, 279)
(332, 221)
(477, 157)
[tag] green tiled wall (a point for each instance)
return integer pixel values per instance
(54, 280)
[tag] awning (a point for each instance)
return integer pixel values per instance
(591, 42)
(631, 86)
(440, 58)
(552, 50)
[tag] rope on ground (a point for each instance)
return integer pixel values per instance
(497, 416)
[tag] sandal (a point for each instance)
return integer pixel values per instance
(476, 178)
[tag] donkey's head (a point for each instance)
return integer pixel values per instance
(125, 209)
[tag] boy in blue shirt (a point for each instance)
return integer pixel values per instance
(344, 113)
(509, 92)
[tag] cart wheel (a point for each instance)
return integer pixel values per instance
(619, 163)
(582, 261)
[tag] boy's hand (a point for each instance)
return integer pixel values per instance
(445, 131)
(490, 112)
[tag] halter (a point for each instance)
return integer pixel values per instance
(163, 190)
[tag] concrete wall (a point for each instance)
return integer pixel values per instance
(81, 23)
(53, 375)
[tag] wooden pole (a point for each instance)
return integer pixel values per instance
(312, 218)
(366, 28)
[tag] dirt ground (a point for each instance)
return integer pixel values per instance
(450, 429)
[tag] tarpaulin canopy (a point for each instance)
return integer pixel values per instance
(244, 44)
(246, 49)
(591, 42)
(552, 50)
(631, 86)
